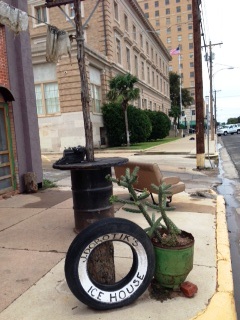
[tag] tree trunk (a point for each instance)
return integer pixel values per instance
(126, 125)
(84, 81)
(101, 266)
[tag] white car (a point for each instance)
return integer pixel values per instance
(228, 129)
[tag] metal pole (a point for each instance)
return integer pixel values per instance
(211, 94)
(180, 87)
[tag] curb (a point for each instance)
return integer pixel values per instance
(222, 305)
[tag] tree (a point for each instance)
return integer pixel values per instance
(187, 99)
(122, 91)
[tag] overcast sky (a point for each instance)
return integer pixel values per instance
(220, 20)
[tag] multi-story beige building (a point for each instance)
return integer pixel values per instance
(118, 39)
(172, 20)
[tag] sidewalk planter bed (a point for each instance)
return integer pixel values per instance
(173, 248)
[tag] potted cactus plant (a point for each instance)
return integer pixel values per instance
(174, 248)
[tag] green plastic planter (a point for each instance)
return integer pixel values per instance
(173, 264)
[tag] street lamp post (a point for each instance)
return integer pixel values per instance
(213, 126)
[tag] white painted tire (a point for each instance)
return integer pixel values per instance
(128, 289)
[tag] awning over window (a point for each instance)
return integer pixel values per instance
(7, 95)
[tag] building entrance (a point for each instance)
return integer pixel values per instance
(6, 181)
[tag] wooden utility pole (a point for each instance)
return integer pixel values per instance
(84, 81)
(212, 123)
(200, 159)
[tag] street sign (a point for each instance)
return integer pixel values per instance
(54, 3)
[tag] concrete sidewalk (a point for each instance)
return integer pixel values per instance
(37, 229)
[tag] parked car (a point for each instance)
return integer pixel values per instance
(228, 129)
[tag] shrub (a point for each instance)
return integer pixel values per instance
(113, 119)
(160, 124)
(138, 122)
(139, 125)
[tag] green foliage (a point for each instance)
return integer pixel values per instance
(139, 125)
(187, 99)
(122, 89)
(233, 120)
(48, 184)
(160, 124)
(169, 236)
(113, 117)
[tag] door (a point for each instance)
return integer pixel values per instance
(6, 179)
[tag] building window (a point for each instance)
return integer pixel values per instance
(168, 11)
(180, 47)
(141, 40)
(153, 79)
(168, 20)
(136, 65)
(152, 53)
(179, 38)
(40, 14)
(157, 23)
(156, 4)
(167, 2)
(148, 75)
(193, 112)
(126, 22)
(134, 32)
(147, 47)
(145, 6)
(116, 10)
(70, 10)
(192, 74)
(190, 45)
(190, 36)
(190, 27)
(177, 1)
(178, 9)
(96, 92)
(189, 7)
(128, 58)
(157, 13)
(179, 28)
(143, 71)
(191, 64)
(118, 47)
(168, 39)
(168, 30)
(178, 19)
(146, 14)
(157, 82)
(189, 17)
(47, 98)
(191, 55)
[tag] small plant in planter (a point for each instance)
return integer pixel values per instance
(173, 247)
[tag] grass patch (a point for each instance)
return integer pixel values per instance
(146, 145)
(48, 184)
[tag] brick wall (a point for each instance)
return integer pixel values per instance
(4, 81)
(3, 59)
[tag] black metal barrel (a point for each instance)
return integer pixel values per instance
(91, 190)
